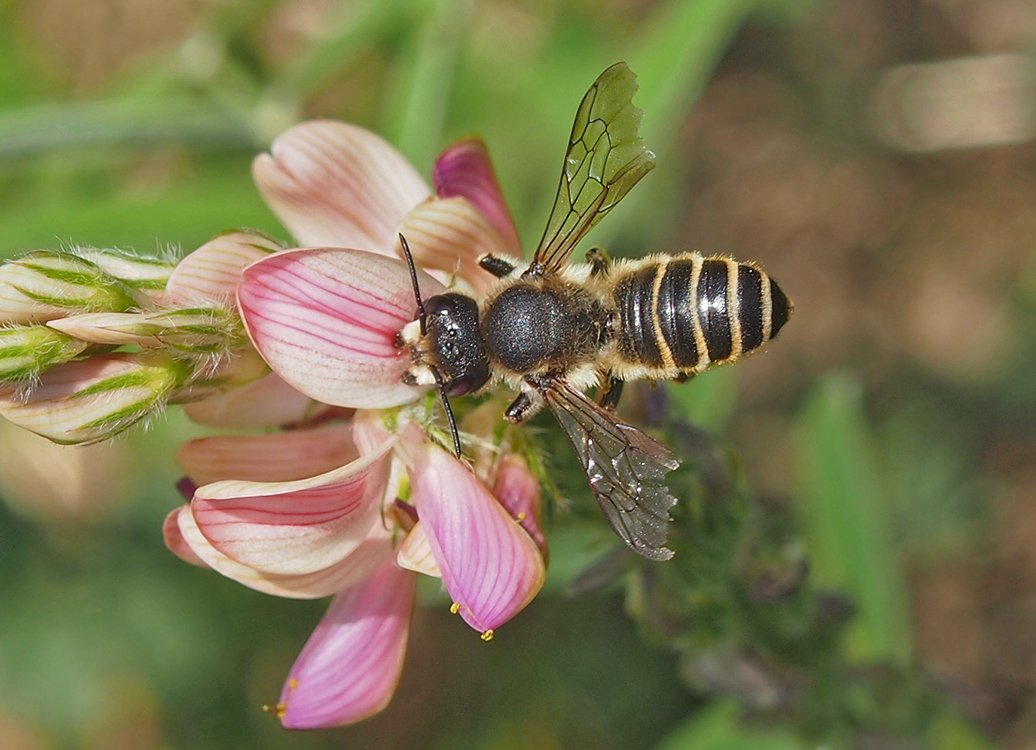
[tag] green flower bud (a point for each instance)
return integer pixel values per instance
(47, 284)
(26, 351)
(94, 399)
(147, 274)
(198, 330)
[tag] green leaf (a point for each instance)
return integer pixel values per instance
(718, 727)
(849, 538)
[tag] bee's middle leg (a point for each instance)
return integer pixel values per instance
(609, 393)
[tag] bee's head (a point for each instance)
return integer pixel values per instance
(446, 341)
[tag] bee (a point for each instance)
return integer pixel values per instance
(552, 330)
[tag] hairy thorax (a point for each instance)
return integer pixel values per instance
(535, 326)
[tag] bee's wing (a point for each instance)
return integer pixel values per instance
(626, 469)
(605, 159)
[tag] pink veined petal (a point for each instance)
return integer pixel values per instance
(335, 184)
(296, 527)
(175, 541)
(414, 553)
(326, 320)
(450, 235)
(464, 169)
(517, 489)
(490, 566)
(350, 666)
(272, 457)
(213, 271)
(267, 402)
(349, 571)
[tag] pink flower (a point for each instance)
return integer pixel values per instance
(317, 511)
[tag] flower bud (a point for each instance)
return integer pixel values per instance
(26, 351)
(147, 274)
(46, 284)
(93, 399)
(199, 330)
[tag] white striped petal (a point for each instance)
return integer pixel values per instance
(273, 457)
(348, 571)
(213, 271)
(295, 527)
(335, 184)
(450, 235)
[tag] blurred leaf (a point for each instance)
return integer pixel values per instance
(425, 75)
(708, 400)
(849, 537)
(950, 732)
(718, 727)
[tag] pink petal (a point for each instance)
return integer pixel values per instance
(273, 457)
(450, 235)
(490, 566)
(175, 541)
(349, 571)
(296, 527)
(339, 185)
(464, 169)
(349, 667)
(213, 271)
(518, 490)
(326, 320)
(266, 402)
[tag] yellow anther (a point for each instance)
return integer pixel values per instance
(455, 608)
(487, 636)
(521, 516)
(277, 709)
(293, 683)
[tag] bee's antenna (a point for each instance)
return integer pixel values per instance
(423, 318)
(449, 410)
(422, 315)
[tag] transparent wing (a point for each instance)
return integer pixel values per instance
(605, 159)
(625, 468)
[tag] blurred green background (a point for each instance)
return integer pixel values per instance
(875, 156)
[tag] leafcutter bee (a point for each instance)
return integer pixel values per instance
(552, 330)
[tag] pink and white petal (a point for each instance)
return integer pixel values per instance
(464, 169)
(267, 402)
(414, 553)
(518, 490)
(326, 320)
(174, 539)
(272, 457)
(349, 571)
(331, 183)
(490, 566)
(213, 271)
(296, 527)
(451, 235)
(350, 666)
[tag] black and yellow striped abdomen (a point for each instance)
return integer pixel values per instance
(678, 314)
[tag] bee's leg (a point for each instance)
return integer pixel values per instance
(609, 393)
(523, 407)
(497, 265)
(598, 260)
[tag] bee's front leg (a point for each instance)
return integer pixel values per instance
(497, 265)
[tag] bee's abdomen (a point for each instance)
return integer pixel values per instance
(679, 314)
